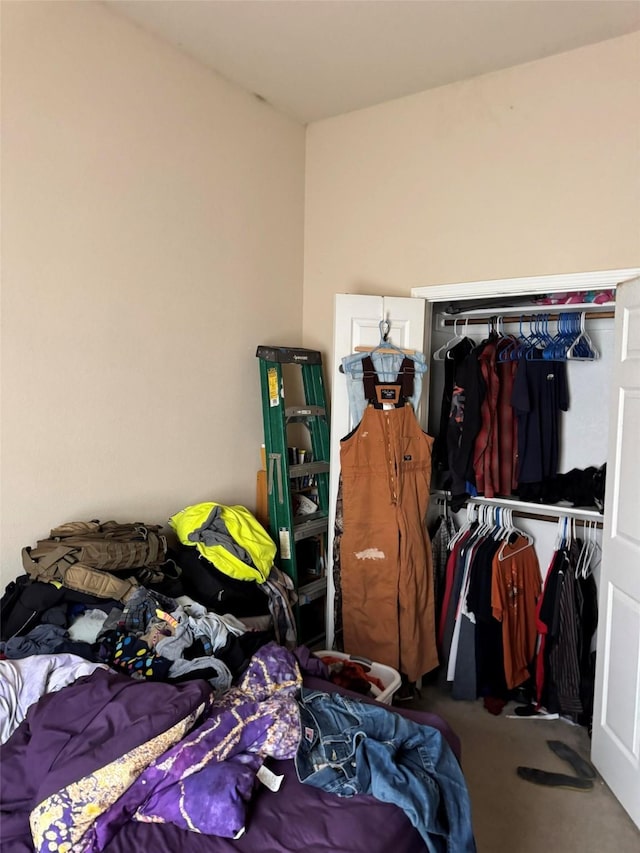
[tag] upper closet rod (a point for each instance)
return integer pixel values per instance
(589, 315)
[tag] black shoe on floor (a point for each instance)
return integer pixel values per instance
(554, 780)
(582, 767)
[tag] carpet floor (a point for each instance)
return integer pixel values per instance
(513, 815)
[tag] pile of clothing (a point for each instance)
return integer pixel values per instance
(204, 608)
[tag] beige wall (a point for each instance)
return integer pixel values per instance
(153, 226)
(530, 171)
(152, 220)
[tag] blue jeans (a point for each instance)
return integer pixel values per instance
(349, 747)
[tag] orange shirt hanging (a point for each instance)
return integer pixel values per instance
(515, 587)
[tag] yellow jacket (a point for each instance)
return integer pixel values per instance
(191, 528)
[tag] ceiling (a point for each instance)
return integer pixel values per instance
(313, 59)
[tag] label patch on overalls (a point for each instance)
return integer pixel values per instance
(309, 733)
(388, 393)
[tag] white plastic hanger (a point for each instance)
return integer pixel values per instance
(560, 540)
(441, 353)
(582, 349)
(444, 351)
(472, 517)
(513, 529)
(585, 551)
(590, 549)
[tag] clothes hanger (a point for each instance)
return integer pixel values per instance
(537, 340)
(564, 533)
(509, 527)
(502, 334)
(444, 351)
(507, 522)
(583, 556)
(481, 529)
(472, 517)
(522, 342)
(557, 346)
(570, 324)
(499, 528)
(493, 329)
(463, 337)
(487, 523)
(545, 336)
(506, 344)
(520, 533)
(445, 507)
(582, 349)
(385, 345)
(441, 352)
(528, 544)
(590, 548)
(558, 544)
(596, 551)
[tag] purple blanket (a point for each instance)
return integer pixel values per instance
(205, 782)
(79, 731)
(108, 721)
(299, 818)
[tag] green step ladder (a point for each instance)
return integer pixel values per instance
(284, 479)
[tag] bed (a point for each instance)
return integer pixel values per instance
(104, 718)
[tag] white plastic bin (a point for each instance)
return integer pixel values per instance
(387, 675)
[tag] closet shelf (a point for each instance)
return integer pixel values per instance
(551, 511)
(513, 313)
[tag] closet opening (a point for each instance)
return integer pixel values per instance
(529, 469)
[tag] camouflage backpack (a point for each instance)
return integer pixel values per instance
(102, 559)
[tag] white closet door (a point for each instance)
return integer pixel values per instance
(616, 721)
(357, 323)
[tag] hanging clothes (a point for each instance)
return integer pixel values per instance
(338, 530)
(487, 627)
(453, 357)
(487, 651)
(515, 590)
(385, 554)
(507, 421)
(540, 393)
(546, 622)
(485, 450)
(567, 620)
(462, 669)
(463, 424)
(453, 585)
(385, 367)
(500, 421)
(587, 613)
(441, 535)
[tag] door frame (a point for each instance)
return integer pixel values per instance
(487, 289)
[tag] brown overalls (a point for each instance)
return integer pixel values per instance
(385, 553)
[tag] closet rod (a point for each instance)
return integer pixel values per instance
(523, 509)
(461, 320)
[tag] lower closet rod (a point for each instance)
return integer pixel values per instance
(572, 512)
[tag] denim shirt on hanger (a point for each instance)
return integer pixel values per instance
(386, 366)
